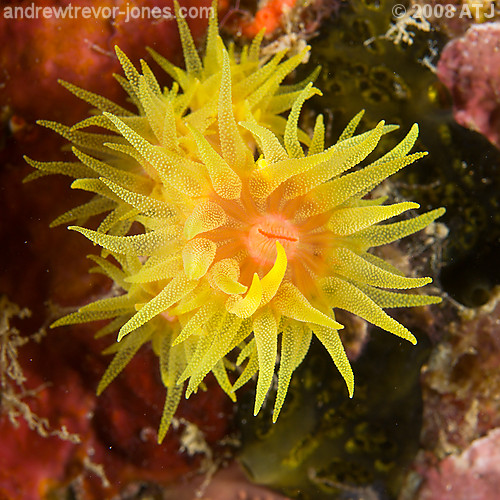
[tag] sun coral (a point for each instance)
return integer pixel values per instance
(238, 248)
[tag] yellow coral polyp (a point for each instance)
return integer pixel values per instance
(253, 233)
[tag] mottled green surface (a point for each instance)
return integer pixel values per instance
(462, 169)
(325, 445)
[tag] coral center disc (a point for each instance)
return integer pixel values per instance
(264, 234)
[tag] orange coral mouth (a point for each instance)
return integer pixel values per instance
(263, 235)
(277, 236)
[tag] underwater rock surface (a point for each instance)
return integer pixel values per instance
(469, 67)
(473, 474)
(462, 382)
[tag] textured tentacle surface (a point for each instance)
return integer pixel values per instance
(232, 233)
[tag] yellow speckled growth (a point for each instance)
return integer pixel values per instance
(253, 233)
